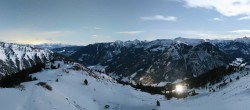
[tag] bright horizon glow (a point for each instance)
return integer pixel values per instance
(33, 42)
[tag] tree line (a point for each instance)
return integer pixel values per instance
(15, 79)
(211, 77)
(143, 88)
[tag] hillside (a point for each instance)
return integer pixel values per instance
(16, 57)
(70, 93)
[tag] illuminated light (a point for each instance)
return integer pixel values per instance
(179, 89)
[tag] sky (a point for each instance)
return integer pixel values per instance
(82, 22)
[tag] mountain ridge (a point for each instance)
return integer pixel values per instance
(161, 60)
(16, 57)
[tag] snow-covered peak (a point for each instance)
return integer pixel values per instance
(243, 40)
(167, 42)
(21, 51)
(15, 57)
(127, 43)
(189, 41)
(161, 42)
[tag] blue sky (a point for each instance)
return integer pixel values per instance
(82, 22)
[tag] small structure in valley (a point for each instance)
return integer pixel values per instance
(57, 64)
(53, 64)
(48, 65)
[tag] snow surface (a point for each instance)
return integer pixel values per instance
(238, 62)
(69, 93)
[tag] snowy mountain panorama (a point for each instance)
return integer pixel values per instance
(161, 61)
(124, 54)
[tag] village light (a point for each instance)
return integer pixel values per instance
(179, 89)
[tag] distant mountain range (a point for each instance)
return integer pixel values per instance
(52, 45)
(162, 60)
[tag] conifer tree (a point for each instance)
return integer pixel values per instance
(158, 103)
(85, 82)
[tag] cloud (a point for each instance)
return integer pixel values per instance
(159, 18)
(130, 32)
(243, 31)
(225, 7)
(94, 36)
(244, 18)
(97, 28)
(217, 19)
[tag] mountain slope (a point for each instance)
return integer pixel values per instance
(70, 93)
(162, 60)
(15, 57)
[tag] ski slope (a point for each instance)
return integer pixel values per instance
(70, 93)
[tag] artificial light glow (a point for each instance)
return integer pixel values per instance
(179, 89)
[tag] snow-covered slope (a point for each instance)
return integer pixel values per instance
(70, 93)
(15, 57)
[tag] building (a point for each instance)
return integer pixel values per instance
(57, 64)
(48, 65)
